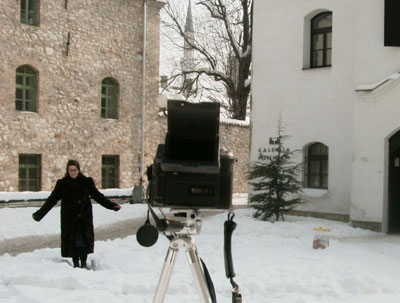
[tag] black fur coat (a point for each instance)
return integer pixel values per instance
(76, 210)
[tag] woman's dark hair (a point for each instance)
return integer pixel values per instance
(72, 163)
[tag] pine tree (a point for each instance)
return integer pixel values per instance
(274, 180)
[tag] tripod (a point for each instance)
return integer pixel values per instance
(180, 231)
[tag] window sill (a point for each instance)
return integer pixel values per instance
(26, 111)
(316, 67)
(36, 25)
(313, 193)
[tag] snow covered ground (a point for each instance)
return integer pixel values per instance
(18, 222)
(274, 262)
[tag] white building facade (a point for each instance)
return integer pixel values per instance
(330, 70)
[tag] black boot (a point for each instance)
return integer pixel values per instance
(83, 257)
(75, 260)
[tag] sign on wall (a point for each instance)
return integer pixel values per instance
(267, 153)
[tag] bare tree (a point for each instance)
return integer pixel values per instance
(221, 45)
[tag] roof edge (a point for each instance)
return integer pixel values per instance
(374, 86)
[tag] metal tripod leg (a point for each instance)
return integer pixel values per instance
(195, 265)
(165, 275)
(198, 274)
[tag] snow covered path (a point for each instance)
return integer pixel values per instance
(111, 231)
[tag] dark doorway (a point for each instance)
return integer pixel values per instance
(394, 184)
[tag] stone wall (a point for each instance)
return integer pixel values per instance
(236, 138)
(106, 40)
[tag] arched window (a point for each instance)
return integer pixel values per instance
(30, 12)
(26, 89)
(321, 40)
(109, 98)
(316, 166)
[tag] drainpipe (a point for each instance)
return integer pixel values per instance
(143, 88)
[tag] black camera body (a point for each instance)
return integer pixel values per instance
(189, 170)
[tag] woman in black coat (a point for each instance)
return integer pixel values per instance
(75, 191)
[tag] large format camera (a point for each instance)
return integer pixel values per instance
(189, 170)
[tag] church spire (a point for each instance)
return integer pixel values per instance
(187, 62)
(189, 19)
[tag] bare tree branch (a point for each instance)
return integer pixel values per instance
(222, 47)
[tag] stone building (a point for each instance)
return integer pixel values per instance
(330, 69)
(71, 88)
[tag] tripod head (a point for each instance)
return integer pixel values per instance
(181, 222)
(177, 223)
